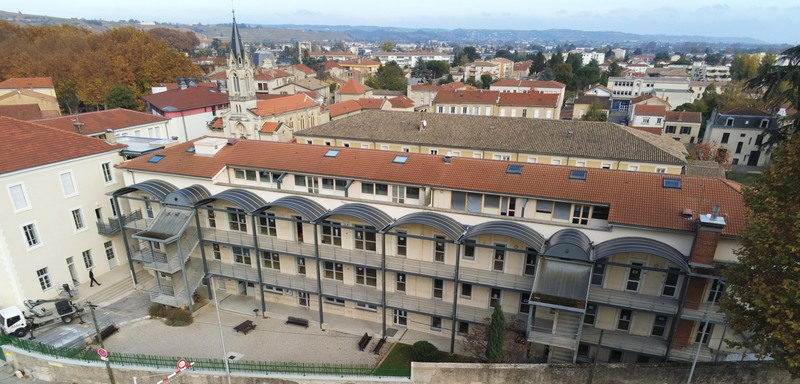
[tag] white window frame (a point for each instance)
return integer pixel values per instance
(24, 196)
(108, 172)
(75, 227)
(633, 168)
(72, 179)
(44, 279)
(555, 161)
(38, 236)
(88, 259)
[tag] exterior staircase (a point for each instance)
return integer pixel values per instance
(560, 355)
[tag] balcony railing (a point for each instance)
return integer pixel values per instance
(169, 262)
(704, 309)
(175, 294)
(635, 300)
(111, 225)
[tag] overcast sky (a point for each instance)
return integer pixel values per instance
(774, 21)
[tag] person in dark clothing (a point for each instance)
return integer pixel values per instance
(92, 280)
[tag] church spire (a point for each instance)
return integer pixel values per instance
(237, 47)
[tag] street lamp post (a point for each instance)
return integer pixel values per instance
(99, 338)
(221, 336)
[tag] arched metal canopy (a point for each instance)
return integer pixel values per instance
(306, 208)
(449, 227)
(569, 243)
(523, 233)
(371, 215)
(612, 247)
(246, 200)
(187, 197)
(156, 188)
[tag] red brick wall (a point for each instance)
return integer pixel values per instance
(705, 245)
(683, 333)
(694, 292)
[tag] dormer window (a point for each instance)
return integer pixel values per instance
(764, 123)
(729, 122)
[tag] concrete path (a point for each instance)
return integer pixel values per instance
(7, 377)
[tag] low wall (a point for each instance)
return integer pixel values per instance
(669, 373)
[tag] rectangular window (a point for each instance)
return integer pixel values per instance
(524, 304)
(333, 270)
(439, 249)
(77, 219)
(463, 327)
(88, 261)
(68, 184)
(466, 290)
(703, 332)
(580, 214)
(669, 129)
(367, 307)
(365, 237)
(606, 165)
(367, 276)
(544, 206)
(402, 243)
(494, 297)
(458, 200)
(715, 294)
(508, 206)
(267, 225)
(300, 180)
(270, 260)
(31, 236)
(237, 220)
(301, 265)
(44, 279)
(109, 249)
(659, 325)
(469, 249)
(624, 321)
(18, 197)
(530, 262)
(634, 277)
(591, 314)
(671, 282)
(114, 212)
(598, 271)
(303, 299)
(725, 137)
(729, 122)
(615, 356)
(600, 213)
(107, 175)
(400, 317)
(686, 130)
(216, 251)
(562, 211)
(474, 202)
(436, 323)
(212, 217)
(331, 233)
(438, 288)
(400, 282)
(499, 257)
(241, 255)
(334, 300)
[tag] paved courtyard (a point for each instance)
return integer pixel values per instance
(272, 340)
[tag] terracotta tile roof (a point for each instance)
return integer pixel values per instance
(647, 96)
(27, 82)
(467, 97)
(745, 111)
(649, 110)
(535, 99)
(270, 127)
(29, 93)
(189, 98)
(653, 130)
(684, 116)
(216, 123)
(344, 107)
(270, 74)
(457, 85)
(330, 64)
(595, 140)
(221, 75)
(426, 87)
(352, 87)
(304, 68)
(401, 102)
(523, 65)
(311, 83)
(21, 111)
(280, 105)
(482, 64)
(27, 144)
(369, 103)
(99, 121)
(634, 198)
(528, 83)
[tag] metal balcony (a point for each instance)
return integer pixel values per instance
(111, 225)
(634, 300)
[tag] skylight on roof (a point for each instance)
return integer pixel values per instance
(514, 169)
(400, 159)
(155, 158)
(577, 174)
(332, 153)
(672, 183)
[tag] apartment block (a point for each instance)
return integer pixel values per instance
(743, 131)
(674, 90)
(533, 105)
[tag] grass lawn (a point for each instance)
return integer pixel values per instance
(399, 359)
(743, 178)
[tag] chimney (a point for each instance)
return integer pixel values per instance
(182, 84)
(110, 137)
(707, 235)
(448, 158)
(78, 126)
(422, 125)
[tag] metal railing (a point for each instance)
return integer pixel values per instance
(111, 225)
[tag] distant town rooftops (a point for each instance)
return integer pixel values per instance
(528, 83)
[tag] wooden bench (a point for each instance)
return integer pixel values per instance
(378, 346)
(297, 321)
(245, 326)
(364, 341)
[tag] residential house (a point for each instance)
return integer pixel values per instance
(683, 126)
(599, 90)
(742, 131)
(27, 91)
(361, 66)
(549, 87)
(521, 69)
(476, 69)
(112, 123)
(268, 80)
(495, 103)
(401, 103)
(189, 110)
(648, 118)
(351, 107)
(587, 57)
(583, 103)
(299, 71)
(505, 67)
(352, 90)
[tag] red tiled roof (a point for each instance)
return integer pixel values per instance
(653, 130)
(426, 87)
(536, 99)
(21, 111)
(649, 110)
(368, 103)
(401, 102)
(221, 75)
(647, 96)
(330, 64)
(528, 83)
(468, 97)
(304, 68)
(189, 98)
(27, 144)
(523, 65)
(216, 123)
(745, 111)
(352, 87)
(344, 107)
(100, 121)
(270, 127)
(270, 74)
(285, 104)
(457, 85)
(27, 82)
(684, 116)
(634, 198)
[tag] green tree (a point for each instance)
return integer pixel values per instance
(538, 63)
(424, 351)
(465, 55)
(575, 60)
(763, 292)
(682, 61)
(438, 67)
(744, 66)
(389, 76)
(614, 69)
(387, 46)
(421, 70)
(505, 53)
(713, 58)
(486, 80)
(781, 86)
(661, 56)
(586, 76)
(555, 59)
(595, 112)
(121, 96)
(563, 73)
(496, 335)
(547, 74)
(446, 80)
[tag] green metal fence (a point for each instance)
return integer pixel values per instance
(168, 362)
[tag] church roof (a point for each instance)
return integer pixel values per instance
(237, 47)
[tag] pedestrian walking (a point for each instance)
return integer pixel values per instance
(92, 280)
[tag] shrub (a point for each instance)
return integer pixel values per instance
(424, 351)
(157, 310)
(178, 317)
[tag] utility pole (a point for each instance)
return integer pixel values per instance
(99, 338)
(221, 337)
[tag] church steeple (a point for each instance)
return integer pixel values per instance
(241, 82)
(237, 47)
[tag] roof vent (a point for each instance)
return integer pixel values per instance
(448, 158)
(570, 132)
(687, 213)
(209, 146)
(78, 126)
(492, 127)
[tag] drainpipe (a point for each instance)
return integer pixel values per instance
(455, 300)
(319, 275)
(258, 265)
(202, 250)
(383, 292)
(125, 239)
(185, 133)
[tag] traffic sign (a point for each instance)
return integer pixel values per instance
(103, 354)
(182, 364)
